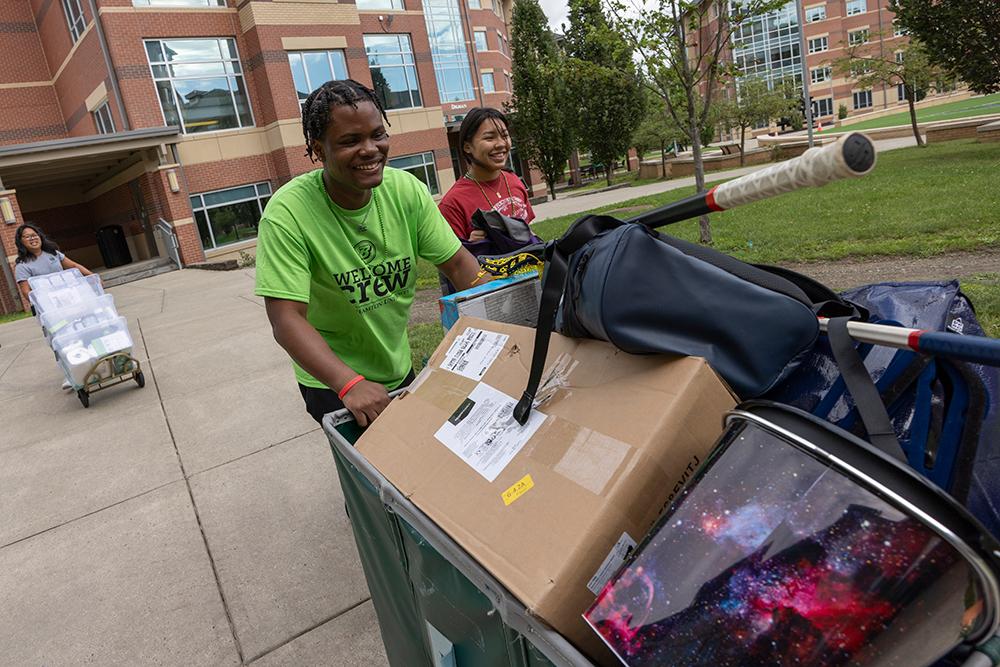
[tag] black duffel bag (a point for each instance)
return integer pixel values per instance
(647, 292)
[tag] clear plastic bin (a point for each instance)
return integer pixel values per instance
(78, 317)
(58, 280)
(78, 351)
(70, 295)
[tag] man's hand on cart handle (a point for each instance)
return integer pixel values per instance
(366, 400)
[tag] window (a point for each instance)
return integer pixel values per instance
(818, 44)
(510, 84)
(379, 4)
(767, 46)
(860, 68)
(311, 69)
(103, 120)
(394, 75)
(898, 30)
(820, 74)
(229, 216)
(856, 37)
(448, 50)
(862, 99)
(823, 107)
(74, 18)
(856, 7)
(481, 43)
(900, 57)
(814, 14)
(421, 166)
(179, 3)
(900, 92)
(503, 44)
(488, 85)
(475, 4)
(200, 84)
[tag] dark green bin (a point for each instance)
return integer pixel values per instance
(435, 604)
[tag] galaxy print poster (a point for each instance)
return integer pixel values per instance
(772, 558)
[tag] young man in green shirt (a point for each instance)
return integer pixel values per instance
(337, 253)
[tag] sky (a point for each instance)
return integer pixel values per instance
(557, 11)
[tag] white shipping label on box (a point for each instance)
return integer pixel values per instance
(483, 432)
(473, 352)
(619, 552)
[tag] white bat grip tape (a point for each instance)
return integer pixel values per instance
(853, 155)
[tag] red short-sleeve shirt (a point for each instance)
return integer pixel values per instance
(467, 196)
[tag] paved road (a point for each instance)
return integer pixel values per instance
(197, 521)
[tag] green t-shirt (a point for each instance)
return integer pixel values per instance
(359, 284)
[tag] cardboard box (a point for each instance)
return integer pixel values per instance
(551, 508)
(513, 300)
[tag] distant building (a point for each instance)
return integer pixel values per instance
(769, 47)
(177, 119)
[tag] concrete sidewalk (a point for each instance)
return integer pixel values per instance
(196, 521)
(582, 203)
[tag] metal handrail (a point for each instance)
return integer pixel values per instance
(170, 239)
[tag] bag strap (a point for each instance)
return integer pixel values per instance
(557, 254)
(862, 389)
(825, 302)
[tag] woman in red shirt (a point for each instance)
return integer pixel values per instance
(485, 140)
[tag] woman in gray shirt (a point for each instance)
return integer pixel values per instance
(37, 255)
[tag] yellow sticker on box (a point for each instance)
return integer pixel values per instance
(518, 489)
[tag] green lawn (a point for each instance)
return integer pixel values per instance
(13, 317)
(975, 106)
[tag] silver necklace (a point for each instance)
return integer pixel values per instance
(362, 227)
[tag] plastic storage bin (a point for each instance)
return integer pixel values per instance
(436, 605)
(78, 317)
(56, 280)
(78, 350)
(69, 295)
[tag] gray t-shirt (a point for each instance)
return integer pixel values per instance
(42, 265)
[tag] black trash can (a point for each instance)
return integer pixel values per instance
(113, 246)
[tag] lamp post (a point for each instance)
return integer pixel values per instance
(801, 17)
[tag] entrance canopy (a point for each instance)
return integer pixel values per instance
(83, 161)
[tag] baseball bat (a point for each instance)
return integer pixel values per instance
(974, 349)
(853, 155)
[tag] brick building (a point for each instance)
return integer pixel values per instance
(176, 119)
(769, 47)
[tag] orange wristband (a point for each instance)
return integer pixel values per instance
(350, 385)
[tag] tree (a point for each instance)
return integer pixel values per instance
(962, 36)
(794, 113)
(657, 129)
(755, 103)
(606, 90)
(541, 119)
(910, 68)
(682, 47)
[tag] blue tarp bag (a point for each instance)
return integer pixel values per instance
(944, 412)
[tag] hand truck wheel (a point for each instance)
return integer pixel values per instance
(140, 379)
(84, 397)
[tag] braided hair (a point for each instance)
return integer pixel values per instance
(316, 110)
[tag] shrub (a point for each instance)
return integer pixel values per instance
(246, 260)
